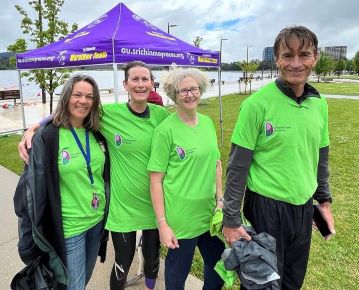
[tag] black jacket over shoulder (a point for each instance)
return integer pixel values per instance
(37, 203)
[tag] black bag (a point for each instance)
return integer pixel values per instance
(36, 276)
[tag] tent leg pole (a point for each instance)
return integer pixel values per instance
(115, 80)
(21, 101)
(220, 104)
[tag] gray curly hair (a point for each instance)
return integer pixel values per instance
(175, 75)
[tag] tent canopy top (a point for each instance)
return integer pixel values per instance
(117, 37)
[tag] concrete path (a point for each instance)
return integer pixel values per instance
(11, 263)
(341, 97)
(11, 119)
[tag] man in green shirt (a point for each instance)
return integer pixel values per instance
(279, 159)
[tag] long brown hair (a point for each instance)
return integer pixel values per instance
(61, 116)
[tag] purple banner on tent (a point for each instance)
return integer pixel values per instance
(162, 57)
(119, 36)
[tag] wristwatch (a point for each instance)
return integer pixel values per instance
(220, 199)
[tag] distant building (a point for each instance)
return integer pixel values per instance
(336, 52)
(268, 55)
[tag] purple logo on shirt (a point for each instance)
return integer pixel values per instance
(118, 140)
(181, 153)
(269, 129)
(65, 155)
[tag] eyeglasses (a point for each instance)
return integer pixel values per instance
(193, 90)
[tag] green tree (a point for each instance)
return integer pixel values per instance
(197, 41)
(6, 62)
(339, 66)
(249, 68)
(325, 65)
(20, 45)
(356, 62)
(45, 28)
(349, 65)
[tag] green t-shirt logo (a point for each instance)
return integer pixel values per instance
(269, 129)
(181, 153)
(65, 157)
(118, 140)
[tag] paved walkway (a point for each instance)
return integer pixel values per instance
(11, 263)
(341, 97)
(11, 118)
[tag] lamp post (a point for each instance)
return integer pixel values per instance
(170, 25)
(219, 87)
(168, 31)
(248, 46)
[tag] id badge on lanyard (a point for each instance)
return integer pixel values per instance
(95, 201)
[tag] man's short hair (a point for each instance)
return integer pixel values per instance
(305, 36)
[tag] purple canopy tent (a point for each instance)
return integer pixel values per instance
(117, 37)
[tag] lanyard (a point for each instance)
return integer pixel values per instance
(86, 155)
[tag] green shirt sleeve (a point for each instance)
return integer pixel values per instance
(160, 151)
(248, 126)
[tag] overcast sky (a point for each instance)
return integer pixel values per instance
(243, 22)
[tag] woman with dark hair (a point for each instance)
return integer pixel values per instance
(67, 173)
(128, 129)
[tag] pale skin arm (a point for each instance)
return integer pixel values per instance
(219, 194)
(167, 237)
(25, 143)
(326, 212)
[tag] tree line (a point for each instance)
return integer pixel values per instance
(326, 65)
(5, 61)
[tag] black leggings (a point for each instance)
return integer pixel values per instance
(125, 246)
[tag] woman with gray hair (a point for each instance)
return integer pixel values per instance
(67, 175)
(185, 173)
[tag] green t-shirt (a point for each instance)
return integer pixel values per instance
(129, 141)
(187, 156)
(76, 190)
(286, 138)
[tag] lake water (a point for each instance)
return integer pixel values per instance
(105, 79)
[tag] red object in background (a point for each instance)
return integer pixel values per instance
(155, 98)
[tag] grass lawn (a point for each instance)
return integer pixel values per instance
(350, 89)
(10, 157)
(333, 264)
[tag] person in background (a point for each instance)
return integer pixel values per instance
(155, 98)
(279, 158)
(185, 172)
(128, 129)
(68, 173)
